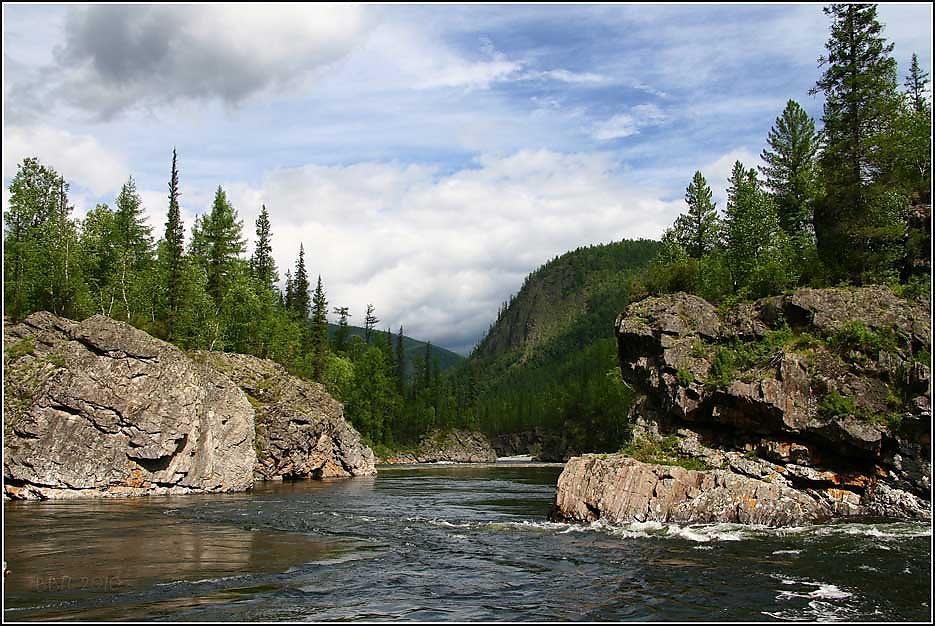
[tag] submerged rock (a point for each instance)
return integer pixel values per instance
(99, 408)
(300, 429)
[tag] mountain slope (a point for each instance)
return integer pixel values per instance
(549, 361)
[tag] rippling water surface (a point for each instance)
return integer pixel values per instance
(441, 543)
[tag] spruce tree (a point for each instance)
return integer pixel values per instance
(790, 170)
(859, 85)
(289, 298)
(370, 322)
(340, 335)
(301, 296)
(171, 249)
(262, 265)
(221, 245)
(915, 85)
(133, 242)
(697, 230)
(319, 334)
(400, 361)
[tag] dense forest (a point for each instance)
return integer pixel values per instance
(846, 203)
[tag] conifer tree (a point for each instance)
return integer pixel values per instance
(915, 85)
(289, 298)
(859, 85)
(790, 170)
(217, 241)
(340, 335)
(301, 290)
(400, 361)
(697, 230)
(319, 334)
(171, 249)
(262, 265)
(133, 241)
(370, 322)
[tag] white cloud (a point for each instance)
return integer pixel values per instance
(79, 158)
(627, 124)
(439, 253)
(116, 57)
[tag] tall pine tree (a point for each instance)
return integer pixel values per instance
(319, 335)
(915, 85)
(171, 249)
(132, 238)
(262, 265)
(301, 296)
(790, 170)
(697, 231)
(859, 85)
(340, 335)
(218, 241)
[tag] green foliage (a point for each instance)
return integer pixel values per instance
(262, 265)
(742, 360)
(835, 405)
(854, 336)
(698, 230)
(665, 452)
(859, 86)
(20, 348)
(684, 377)
(791, 169)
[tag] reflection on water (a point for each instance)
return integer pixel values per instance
(441, 543)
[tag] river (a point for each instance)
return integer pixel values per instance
(441, 542)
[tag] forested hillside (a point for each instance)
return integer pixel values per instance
(413, 350)
(549, 361)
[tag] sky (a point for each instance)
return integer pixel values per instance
(427, 157)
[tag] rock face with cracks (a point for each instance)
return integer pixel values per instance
(813, 405)
(101, 409)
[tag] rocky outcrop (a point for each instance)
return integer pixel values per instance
(99, 408)
(824, 391)
(300, 429)
(619, 489)
(452, 446)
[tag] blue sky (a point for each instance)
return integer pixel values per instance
(428, 157)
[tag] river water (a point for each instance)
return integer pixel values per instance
(441, 542)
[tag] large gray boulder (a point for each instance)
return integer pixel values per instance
(99, 408)
(300, 429)
(621, 490)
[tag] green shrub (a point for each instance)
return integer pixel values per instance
(854, 336)
(663, 452)
(684, 377)
(835, 404)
